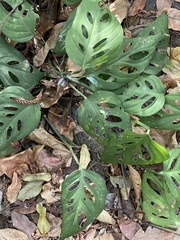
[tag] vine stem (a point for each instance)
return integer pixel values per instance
(11, 12)
(63, 140)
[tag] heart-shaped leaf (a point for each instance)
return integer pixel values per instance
(15, 70)
(168, 117)
(161, 193)
(16, 120)
(106, 117)
(134, 149)
(144, 96)
(95, 35)
(83, 199)
(20, 24)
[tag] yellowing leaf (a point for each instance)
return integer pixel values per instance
(84, 157)
(176, 54)
(43, 224)
(37, 177)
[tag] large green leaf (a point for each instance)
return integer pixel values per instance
(95, 35)
(144, 96)
(16, 120)
(161, 193)
(15, 70)
(134, 149)
(18, 25)
(70, 2)
(168, 118)
(83, 198)
(106, 117)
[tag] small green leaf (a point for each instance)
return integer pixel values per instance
(161, 193)
(95, 35)
(43, 224)
(20, 24)
(143, 96)
(15, 70)
(106, 117)
(83, 198)
(16, 120)
(134, 149)
(30, 190)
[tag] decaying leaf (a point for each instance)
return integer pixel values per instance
(43, 224)
(160, 4)
(37, 177)
(9, 234)
(13, 189)
(136, 181)
(105, 217)
(119, 8)
(136, 7)
(50, 194)
(30, 190)
(84, 157)
(105, 236)
(128, 227)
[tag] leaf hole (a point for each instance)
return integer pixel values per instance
(82, 219)
(74, 186)
(13, 77)
(84, 31)
(81, 47)
(148, 103)
(11, 108)
(89, 182)
(116, 130)
(105, 17)
(176, 121)
(154, 186)
(151, 33)
(19, 125)
(99, 54)
(145, 151)
(148, 84)
(25, 12)
(19, 7)
(137, 84)
(71, 201)
(99, 43)
(9, 132)
(9, 115)
(12, 63)
(89, 17)
(89, 194)
(6, 6)
(139, 55)
(111, 118)
(31, 69)
(101, 5)
(1, 124)
(127, 47)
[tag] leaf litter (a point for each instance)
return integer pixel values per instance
(44, 154)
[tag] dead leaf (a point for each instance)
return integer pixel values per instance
(173, 17)
(105, 236)
(9, 234)
(76, 71)
(43, 224)
(176, 54)
(91, 234)
(50, 194)
(22, 223)
(160, 4)
(50, 44)
(136, 7)
(136, 181)
(84, 157)
(153, 233)
(13, 189)
(129, 228)
(30, 190)
(119, 8)
(19, 163)
(106, 218)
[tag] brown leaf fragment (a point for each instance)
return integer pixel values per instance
(128, 228)
(136, 7)
(22, 223)
(160, 4)
(153, 233)
(136, 181)
(173, 18)
(12, 234)
(13, 189)
(119, 8)
(19, 163)
(105, 236)
(176, 54)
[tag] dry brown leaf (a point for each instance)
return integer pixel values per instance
(128, 228)
(106, 218)
(105, 236)
(153, 233)
(84, 157)
(160, 4)
(22, 223)
(176, 54)
(17, 163)
(136, 181)
(49, 45)
(173, 17)
(91, 234)
(136, 7)
(50, 194)
(9, 234)
(76, 70)
(13, 189)
(119, 8)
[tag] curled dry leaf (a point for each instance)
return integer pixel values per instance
(13, 189)
(119, 8)
(176, 54)
(9, 234)
(19, 163)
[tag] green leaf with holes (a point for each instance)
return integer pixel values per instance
(161, 193)
(106, 117)
(19, 24)
(168, 118)
(95, 35)
(15, 70)
(16, 120)
(144, 96)
(83, 198)
(134, 149)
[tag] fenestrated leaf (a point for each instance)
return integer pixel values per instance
(95, 35)
(144, 96)
(161, 193)
(83, 198)
(106, 117)
(168, 117)
(134, 149)
(20, 24)
(30, 190)
(15, 70)
(16, 120)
